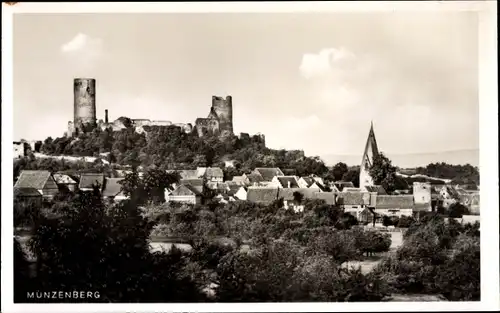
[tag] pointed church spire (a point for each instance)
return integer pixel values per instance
(371, 150)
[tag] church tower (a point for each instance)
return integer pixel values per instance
(371, 150)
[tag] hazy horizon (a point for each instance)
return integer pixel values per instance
(306, 81)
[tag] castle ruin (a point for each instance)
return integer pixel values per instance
(220, 119)
(84, 108)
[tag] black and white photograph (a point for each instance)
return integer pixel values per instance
(220, 158)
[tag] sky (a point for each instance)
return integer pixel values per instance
(307, 81)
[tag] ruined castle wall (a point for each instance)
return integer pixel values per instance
(207, 126)
(224, 110)
(84, 102)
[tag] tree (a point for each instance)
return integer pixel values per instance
(457, 210)
(383, 172)
(105, 249)
(338, 170)
(352, 175)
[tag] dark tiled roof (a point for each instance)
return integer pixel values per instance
(268, 173)
(328, 197)
(185, 190)
(394, 202)
(287, 193)
(377, 188)
(285, 180)
(353, 198)
(34, 179)
(26, 192)
(262, 195)
(87, 180)
(195, 182)
(112, 187)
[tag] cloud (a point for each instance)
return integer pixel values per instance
(325, 62)
(83, 52)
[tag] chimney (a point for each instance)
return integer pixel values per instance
(288, 184)
(106, 116)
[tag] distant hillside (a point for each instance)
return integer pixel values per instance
(470, 156)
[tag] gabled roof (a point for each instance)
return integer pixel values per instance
(63, 179)
(394, 202)
(376, 188)
(87, 180)
(195, 182)
(268, 173)
(285, 180)
(112, 187)
(26, 192)
(185, 190)
(214, 172)
(33, 179)
(262, 195)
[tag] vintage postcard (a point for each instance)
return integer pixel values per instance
(226, 157)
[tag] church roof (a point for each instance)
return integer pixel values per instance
(371, 146)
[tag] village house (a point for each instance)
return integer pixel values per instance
(285, 182)
(113, 190)
(89, 180)
(328, 197)
(65, 181)
(184, 193)
(28, 196)
(311, 182)
(262, 195)
(213, 175)
(42, 181)
(355, 203)
(268, 173)
(19, 149)
(290, 201)
(395, 205)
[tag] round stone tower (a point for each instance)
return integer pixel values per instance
(84, 104)
(224, 110)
